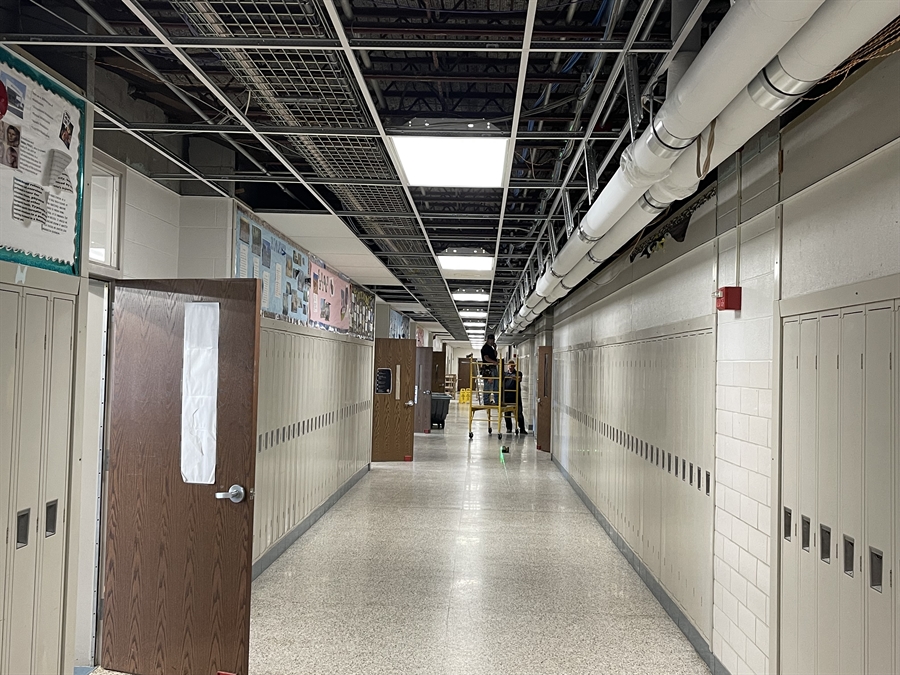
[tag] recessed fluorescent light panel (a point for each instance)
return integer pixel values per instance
(463, 296)
(473, 313)
(436, 161)
(468, 263)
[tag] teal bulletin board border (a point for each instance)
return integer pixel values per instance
(44, 80)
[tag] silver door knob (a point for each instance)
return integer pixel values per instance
(235, 493)
(409, 404)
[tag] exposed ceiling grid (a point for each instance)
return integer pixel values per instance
(309, 91)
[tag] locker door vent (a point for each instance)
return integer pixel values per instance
(788, 526)
(50, 520)
(849, 556)
(805, 531)
(22, 528)
(692, 474)
(670, 462)
(676, 466)
(825, 543)
(876, 567)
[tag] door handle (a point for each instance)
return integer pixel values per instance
(427, 391)
(409, 404)
(235, 493)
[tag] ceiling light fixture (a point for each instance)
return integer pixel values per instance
(473, 313)
(464, 296)
(477, 263)
(441, 161)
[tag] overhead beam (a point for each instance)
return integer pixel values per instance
(514, 129)
(278, 130)
(328, 44)
(518, 184)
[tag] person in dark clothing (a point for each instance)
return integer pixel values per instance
(489, 369)
(512, 394)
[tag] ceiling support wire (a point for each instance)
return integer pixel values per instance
(663, 66)
(514, 130)
(86, 6)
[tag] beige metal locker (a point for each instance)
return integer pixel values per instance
(51, 538)
(790, 471)
(896, 454)
(807, 620)
(26, 511)
(850, 500)
(878, 552)
(828, 565)
(9, 310)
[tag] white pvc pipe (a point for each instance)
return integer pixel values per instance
(834, 32)
(749, 34)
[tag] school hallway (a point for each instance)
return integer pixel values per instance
(460, 563)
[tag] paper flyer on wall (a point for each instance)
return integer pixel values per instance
(262, 252)
(41, 168)
(329, 304)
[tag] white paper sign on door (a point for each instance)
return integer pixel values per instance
(199, 389)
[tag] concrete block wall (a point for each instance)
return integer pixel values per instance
(151, 229)
(205, 238)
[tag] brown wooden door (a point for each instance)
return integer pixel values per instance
(423, 389)
(393, 411)
(177, 570)
(544, 397)
(463, 367)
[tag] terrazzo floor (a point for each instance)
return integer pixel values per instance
(460, 563)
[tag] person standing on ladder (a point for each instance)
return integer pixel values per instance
(512, 395)
(489, 369)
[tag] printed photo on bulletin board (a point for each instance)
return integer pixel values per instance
(398, 326)
(329, 304)
(362, 313)
(261, 252)
(41, 168)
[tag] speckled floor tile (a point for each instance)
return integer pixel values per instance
(462, 562)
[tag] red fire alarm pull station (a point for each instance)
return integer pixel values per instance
(728, 297)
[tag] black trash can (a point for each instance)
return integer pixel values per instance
(440, 406)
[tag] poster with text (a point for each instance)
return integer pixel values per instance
(329, 304)
(261, 252)
(362, 313)
(41, 168)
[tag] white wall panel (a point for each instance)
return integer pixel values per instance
(844, 229)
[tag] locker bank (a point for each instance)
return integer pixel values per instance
(249, 250)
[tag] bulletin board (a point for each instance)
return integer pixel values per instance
(42, 139)
(362, 313)
(329, 298)
(261, 252)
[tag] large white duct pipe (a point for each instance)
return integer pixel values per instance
(750, 33)
(836, 30)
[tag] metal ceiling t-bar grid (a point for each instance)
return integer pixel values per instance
(312, 89)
